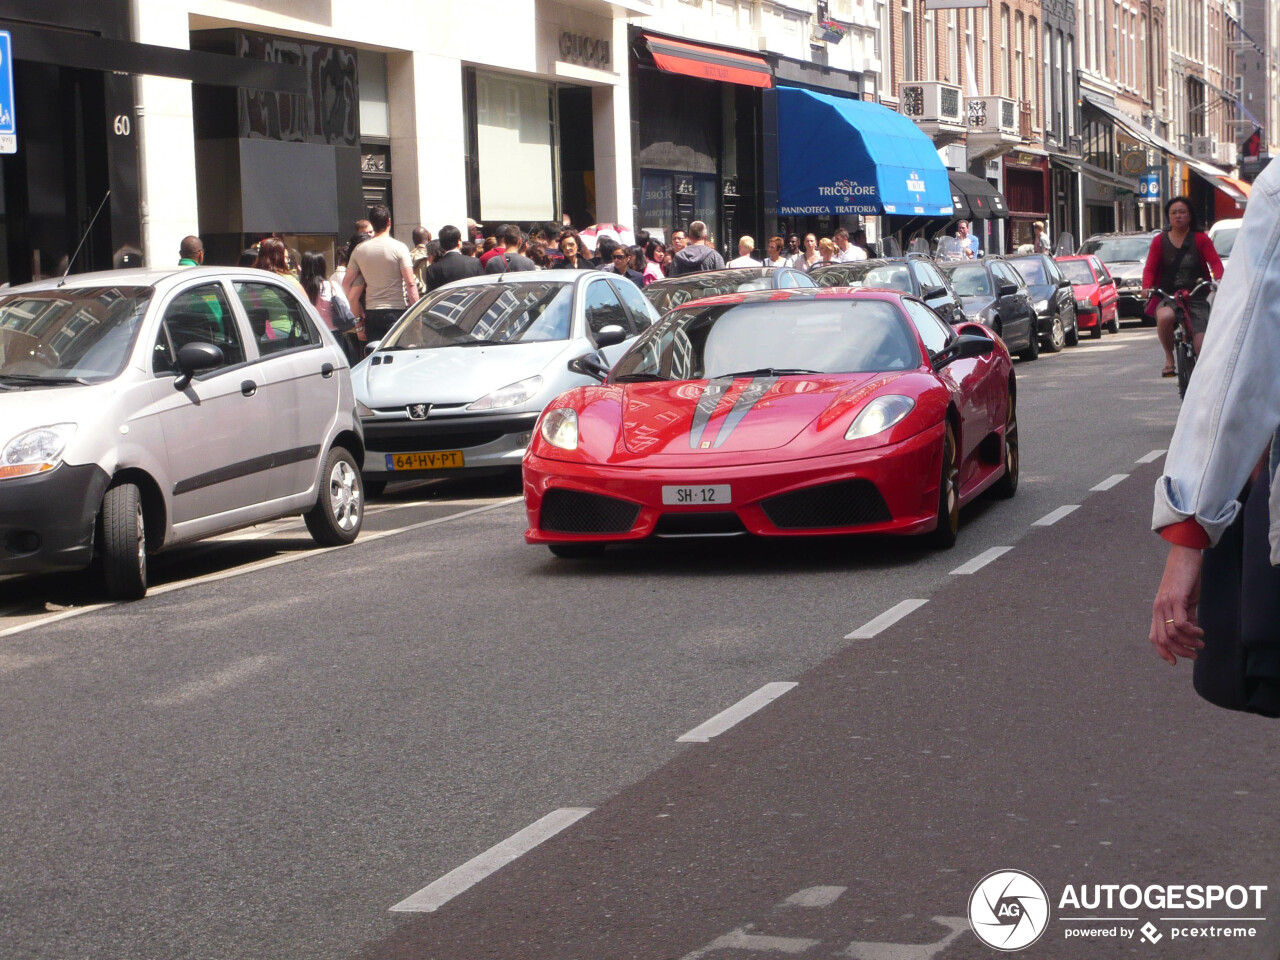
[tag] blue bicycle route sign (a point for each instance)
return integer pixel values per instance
(8, 126)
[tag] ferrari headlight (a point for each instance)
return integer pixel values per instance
(560, 428)
(510, 395)
(35, 451)
(880, 414)
(362, 411)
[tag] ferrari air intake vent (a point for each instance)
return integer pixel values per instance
(572, 511)
(848, 503)
(717, 524)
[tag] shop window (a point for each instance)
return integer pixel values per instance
(514, 137)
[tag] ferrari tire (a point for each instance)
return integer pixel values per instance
(1057, 338)
(944, 535)
(339, 511)
(576, 551)
(124, 543)
(1073, 335)
(1007, 485)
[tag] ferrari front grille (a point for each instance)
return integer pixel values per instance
(848, 503)
(573, 511)
(694, 524)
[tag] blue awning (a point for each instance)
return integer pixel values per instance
(842, 156)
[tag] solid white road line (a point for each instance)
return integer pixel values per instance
(737, 713)
(1049, 519)
(981, 560)
(1149, 457)
(255, 567)
(435, 895)
(238, 672)
(885, 620)
(1110, 482)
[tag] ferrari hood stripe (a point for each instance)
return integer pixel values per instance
(749, 397)
(707, 404)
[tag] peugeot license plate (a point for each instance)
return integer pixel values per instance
(437, 460)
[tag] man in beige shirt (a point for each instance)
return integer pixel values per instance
(383, 265)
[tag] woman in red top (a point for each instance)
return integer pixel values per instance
(1179, 258)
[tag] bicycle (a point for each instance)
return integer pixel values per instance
(1184, 353)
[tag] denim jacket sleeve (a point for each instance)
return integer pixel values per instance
(1232, 406)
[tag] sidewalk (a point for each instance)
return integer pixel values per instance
(1019, 719)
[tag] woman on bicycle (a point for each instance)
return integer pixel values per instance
(1179, 258)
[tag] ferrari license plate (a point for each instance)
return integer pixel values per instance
(438, 460)
(696, 496)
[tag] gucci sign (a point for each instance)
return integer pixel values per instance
(588, 51)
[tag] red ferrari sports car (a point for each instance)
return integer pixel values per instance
(1097, 303)
(778, 413)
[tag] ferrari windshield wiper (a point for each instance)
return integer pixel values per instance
(640, 378)
(765, 372)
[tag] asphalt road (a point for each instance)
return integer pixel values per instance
(281, 744)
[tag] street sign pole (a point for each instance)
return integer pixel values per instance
(8, 125)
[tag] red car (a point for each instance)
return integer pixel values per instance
(1097, 302)
(778, 413)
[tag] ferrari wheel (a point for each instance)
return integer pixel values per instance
(1007, 485)
(944, 535)
(576, 551)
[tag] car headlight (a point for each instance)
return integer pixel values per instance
(362, 411)
(510, 395)
(1042, 306)
(880, 414)
(1084, 305)
(560, 428)
(35, 451)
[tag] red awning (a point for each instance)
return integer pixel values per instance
(1237, 190)
(709, 63)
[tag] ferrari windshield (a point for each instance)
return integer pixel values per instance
(1077, 271)
(775, 337)
(486, 314)
(668, 294)
(1118, 249)
(968, 279)
(69, 335)
(867, 273)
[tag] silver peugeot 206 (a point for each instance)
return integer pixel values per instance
(145, 408)
(458, 383)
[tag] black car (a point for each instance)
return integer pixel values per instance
(676, 291)
(1125, 254)
(994, 294)
(1054, 300)
(915, 276)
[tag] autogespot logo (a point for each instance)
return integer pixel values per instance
(1008, 910)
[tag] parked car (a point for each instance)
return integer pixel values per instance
(915, 276)
(141, 409)
(677, 291)
(1125, 254)
(457, 384)
(786, 413)
(994, 294)
(1223, 235)
(1053, 298)
(1095, 293)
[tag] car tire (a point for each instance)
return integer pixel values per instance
(1096, 332)
(374, 489)
(944, 535)
(1057, 338)
(1007, 485)
(1114, 325)
(124, 543)
(1073, 335)
(576, 551)
(1032, 352)
(338, 515)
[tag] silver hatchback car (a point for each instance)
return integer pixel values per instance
(460, 380)
(145, 408)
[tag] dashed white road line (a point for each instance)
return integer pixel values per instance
(885, 620)
(744, 708)
(1149, 457)
(435, 895)
(980, 561)
(1049, 519)
(1110, 482)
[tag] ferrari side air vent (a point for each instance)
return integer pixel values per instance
(572, 511)
(849, 503)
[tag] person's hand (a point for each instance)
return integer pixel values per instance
(1174, 631)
